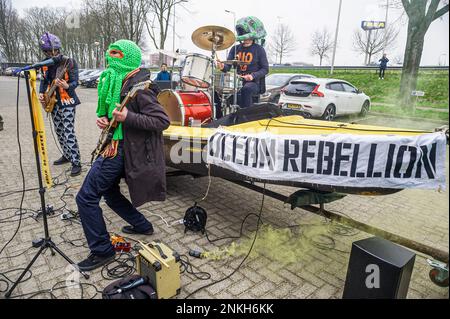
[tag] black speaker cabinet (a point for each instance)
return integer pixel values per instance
(378, 269)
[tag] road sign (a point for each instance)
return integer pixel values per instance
(418, 93)
(373, 25)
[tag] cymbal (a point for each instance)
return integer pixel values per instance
(173, 55)
(237, 62)
(213, 37)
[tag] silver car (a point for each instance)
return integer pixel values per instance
(275, 82)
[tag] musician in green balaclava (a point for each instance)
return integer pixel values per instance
(136, 153)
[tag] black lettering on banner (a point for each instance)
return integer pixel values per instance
(390, 161)
(329, 158)
(320, 157)
(306, 155)
(433, 155)
(373, 153)
(224, 140)
(211, 145)
(398, 165)
(354, 160)
(256, 153)
(220, 141)
(412, 162)
(429, 162)
(289, 158)
(237, 146)
(233, 159)
(269, 153)
(341, 158)
(229, 157)
(247, 151)
(264, 154)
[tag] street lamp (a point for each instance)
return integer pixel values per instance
(234, 57)
(336, 37)
(386, 25)
(234, 26)
(97, 44)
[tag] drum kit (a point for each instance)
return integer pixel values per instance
(196, 103)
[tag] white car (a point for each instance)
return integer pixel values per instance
(324, 98)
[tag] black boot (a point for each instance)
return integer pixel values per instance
(94, 261)
(61, 161)
(132, 231)
(76, 170)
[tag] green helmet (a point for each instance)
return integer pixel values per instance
(251, 28)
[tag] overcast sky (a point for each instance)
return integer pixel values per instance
(303, 17)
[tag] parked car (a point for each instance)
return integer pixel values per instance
(324, 98)
(85, 74)
(11, 70)
(90, 80)
(276, 82)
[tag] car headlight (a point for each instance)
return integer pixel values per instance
(267, 94)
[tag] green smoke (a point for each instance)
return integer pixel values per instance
(284, 245)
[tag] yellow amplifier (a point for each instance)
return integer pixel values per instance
(161, 266)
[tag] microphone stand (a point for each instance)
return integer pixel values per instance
(45, 242)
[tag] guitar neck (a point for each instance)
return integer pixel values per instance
(58, 77)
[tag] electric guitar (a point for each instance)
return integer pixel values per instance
(50, 94)
(107, 134)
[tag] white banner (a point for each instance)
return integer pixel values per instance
(382, 161)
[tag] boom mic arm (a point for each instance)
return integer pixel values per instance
(39, 65)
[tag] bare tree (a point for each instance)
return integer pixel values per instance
(283, 42)
(132, 15)
(373, 42)
(321, 44)
(421, 14)
(9, 21)
(101, 23)
(158, 22)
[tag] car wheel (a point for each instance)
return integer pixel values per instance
(276, 99)
(365, 109)
(330, 113)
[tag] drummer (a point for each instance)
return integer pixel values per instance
(256, 66)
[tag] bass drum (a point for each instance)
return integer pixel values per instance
(185, 107)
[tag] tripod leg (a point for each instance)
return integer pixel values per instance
(8, 294)
(85, 275)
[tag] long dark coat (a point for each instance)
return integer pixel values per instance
(145, 168)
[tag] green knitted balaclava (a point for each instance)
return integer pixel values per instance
(110, 82)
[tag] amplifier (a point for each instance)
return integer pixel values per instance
(378, 269)
(160, 265)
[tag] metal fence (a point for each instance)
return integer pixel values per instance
(353, 68)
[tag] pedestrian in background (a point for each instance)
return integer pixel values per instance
(164, 75)
(383, 65)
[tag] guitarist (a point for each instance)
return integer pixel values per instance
(136, 153)
(63, 113)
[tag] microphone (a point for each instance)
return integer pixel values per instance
(131, 285)
(39, 65)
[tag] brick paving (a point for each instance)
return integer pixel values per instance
(318, 273)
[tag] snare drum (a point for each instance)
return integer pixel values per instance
(197, 71)
(223, 83)
(184, 107)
